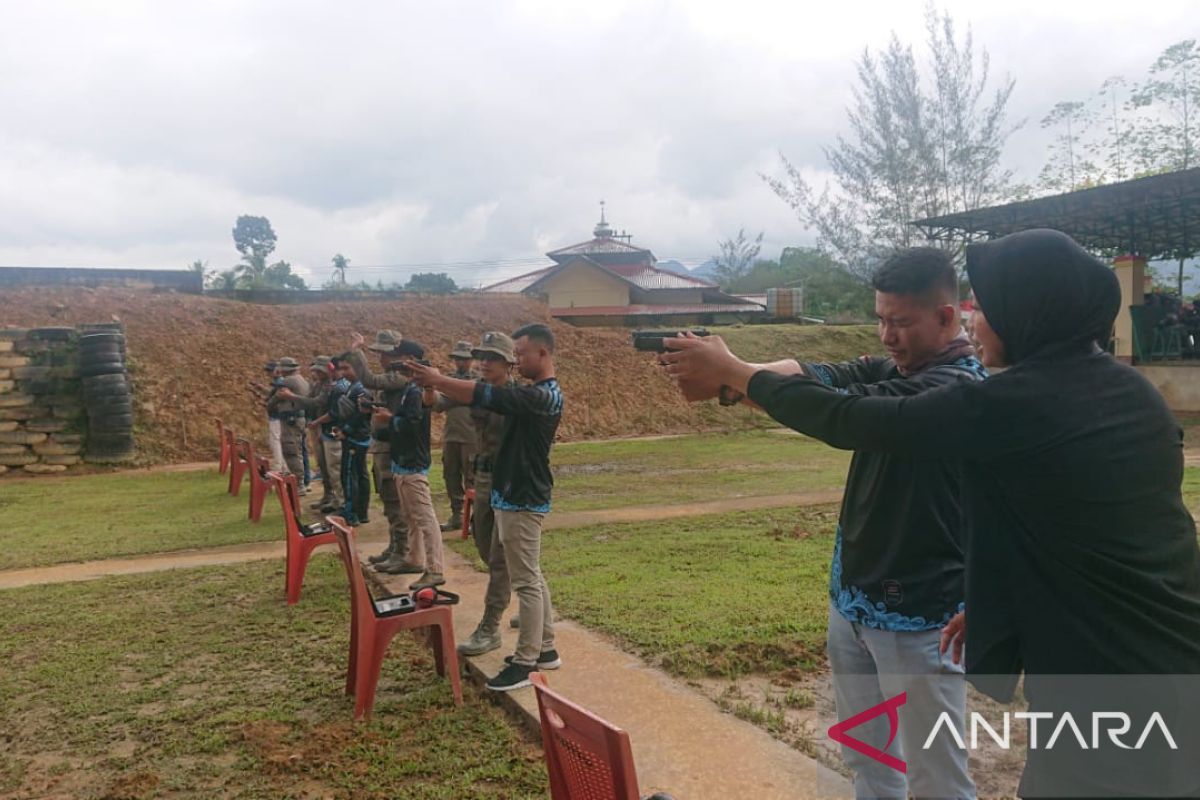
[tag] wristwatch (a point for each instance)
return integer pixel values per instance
(729, 396)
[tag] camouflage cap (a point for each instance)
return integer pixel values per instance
(462, 350)
(321, 363)
(385, 341)
(496, 343)
(288, 364)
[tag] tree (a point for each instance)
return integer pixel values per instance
(918, 147)
(280, 276)
(1114, 147)
(737, 257)
(1168, 139)
(431, 283)
(254, 237)
(830, 291)
(255, 240)
(1067, 167)
(340, 263)
(222, 281)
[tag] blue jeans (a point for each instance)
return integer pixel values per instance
(871, 666)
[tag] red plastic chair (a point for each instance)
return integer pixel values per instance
(299, 545)
(239, 464)
(260, 485)
(225, 453)
(468, 505)
(374, 623)
(586, 757)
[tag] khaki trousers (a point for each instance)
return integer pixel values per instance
(331, 471)
(520, 533)
(385, 487)
(424, 532)
(274, 432)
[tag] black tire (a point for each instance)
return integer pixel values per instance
(114, 420)
(109, 394)
(101, 352)
(108, 439)
(111, 458)
(100, 410)
(103, 382)
(102, 368)
(101, 336)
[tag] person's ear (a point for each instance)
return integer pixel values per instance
(948, 316)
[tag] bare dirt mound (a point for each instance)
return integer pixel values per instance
(190, 357)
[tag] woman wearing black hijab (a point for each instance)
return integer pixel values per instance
(1082, 558)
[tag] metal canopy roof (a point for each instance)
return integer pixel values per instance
(1155, 217)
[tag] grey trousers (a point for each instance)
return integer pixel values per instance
(458, 471)
(385, 487)
(487, 543)
(872, 666)
(520, 534)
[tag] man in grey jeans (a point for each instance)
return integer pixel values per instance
(896, 578)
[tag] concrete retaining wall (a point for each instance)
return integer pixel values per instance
(169, 279)
(41, 403)
(1179, 384)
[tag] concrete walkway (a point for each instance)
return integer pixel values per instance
(683, 743)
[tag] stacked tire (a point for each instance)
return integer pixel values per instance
(107, 394)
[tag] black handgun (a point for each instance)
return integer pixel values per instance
(653, 341)
(404, 369)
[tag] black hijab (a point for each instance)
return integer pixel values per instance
(1041, 291)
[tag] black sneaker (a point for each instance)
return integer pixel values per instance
(513, 676)
(547, 659)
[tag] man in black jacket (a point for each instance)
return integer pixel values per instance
(407, 433)
(896, 577)
(521, 486)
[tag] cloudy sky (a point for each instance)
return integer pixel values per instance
(467, 137)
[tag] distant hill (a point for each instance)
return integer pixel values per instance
(671, 265)
(704, 270)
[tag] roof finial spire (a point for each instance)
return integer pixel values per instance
(602, 230)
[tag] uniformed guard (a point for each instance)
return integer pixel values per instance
(327, 447)
(401, 555)
(495, 357)
(290, 414)
(458, 442)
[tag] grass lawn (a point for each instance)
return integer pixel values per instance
(714, 595)
(54, 520)
(201, 683)
(118, 514)
(708, 466)
(810, 342)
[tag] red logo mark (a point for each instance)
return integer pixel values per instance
(839, 735)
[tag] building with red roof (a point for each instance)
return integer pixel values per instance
(607, 280)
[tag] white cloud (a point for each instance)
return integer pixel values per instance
(406, 133)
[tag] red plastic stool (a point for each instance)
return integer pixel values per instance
(300, 543)
(374, 623)
(468, 504)
(260, 485)
(239, 465)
